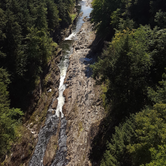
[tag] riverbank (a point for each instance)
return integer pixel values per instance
(83, 108)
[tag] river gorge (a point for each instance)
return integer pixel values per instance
(68, 130)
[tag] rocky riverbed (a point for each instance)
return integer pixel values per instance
(83, 108)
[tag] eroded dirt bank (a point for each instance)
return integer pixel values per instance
(83, 108)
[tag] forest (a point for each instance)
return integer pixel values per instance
(26, 46)
(131, 70)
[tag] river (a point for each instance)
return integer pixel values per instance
(52, 121)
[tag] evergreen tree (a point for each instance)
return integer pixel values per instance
(141, 139)
(126, 64)
(52, 15)
(8, 117)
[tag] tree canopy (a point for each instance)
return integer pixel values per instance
(130, 68)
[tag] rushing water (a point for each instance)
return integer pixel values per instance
(86, 11)
(52, 121)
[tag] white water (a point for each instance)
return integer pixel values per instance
(64, 64)
(86, 11)
(71, 36)
(61, 100)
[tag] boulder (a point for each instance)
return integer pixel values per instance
(50, 150)
(54, 104)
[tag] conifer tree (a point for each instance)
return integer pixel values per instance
(8, 117)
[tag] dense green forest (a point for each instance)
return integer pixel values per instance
(26, 46)
(131, 70)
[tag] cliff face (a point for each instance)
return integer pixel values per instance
(83, 108)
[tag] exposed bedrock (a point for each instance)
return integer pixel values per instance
(83, 108)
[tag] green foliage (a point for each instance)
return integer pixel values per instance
(101, 15)
(158, 156)
(41, 22)
(39, 49)
(8, 117)
(158, 96)
(116, 148)
(109, 14)
(126, 64)
(64, 7)
(157, 46)
(73, 16)
(52, 15)
(133, 65)
(103, 95)
(151, 132)
(160, 18)
(141, 139)
(138, 138)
